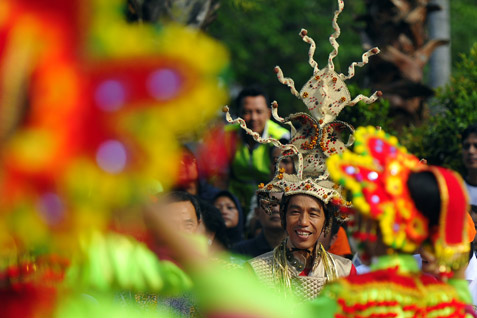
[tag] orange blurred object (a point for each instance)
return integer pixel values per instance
(470, 228)
(341, 245)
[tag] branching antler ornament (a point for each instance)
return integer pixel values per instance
(326, 94)
(317, 135)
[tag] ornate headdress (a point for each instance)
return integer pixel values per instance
(317, 135)
(377, 174)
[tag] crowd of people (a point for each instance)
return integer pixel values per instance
(373, 232)
(296, 238)
(303, 217)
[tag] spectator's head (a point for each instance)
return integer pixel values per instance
(304, 218)
(183, 210)
(270, 222)
(188, 173)
(329, 237)
(469, 147)
(231, 212)
(212, 224)
(431, 194)
(401, 203)
(425, 194)
(286, 162)
(253, 107)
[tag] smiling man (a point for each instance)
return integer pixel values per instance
(300, 263)
(305, 218)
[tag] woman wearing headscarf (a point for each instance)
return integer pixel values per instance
(232, 214)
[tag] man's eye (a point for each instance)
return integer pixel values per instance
(467, 146)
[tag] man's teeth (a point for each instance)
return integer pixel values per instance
(303, 233)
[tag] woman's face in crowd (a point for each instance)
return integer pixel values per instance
(229, 211)
(305, 218)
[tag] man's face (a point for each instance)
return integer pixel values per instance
(255, 112)
(188, 174)
(469, 152)
(305, 218)
(285, 163)
(182, 216)
(271, 222)
(328, 239)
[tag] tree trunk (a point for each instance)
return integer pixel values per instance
(398, 28)
(440, 61)
(194, 13)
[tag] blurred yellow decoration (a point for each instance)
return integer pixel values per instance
(50, 146)
(31, 149)
(206, 54)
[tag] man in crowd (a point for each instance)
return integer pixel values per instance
(469, 157)
(272, 231)
(299, 264)
(182, 211)
(249, 160)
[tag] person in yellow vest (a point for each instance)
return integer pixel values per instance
(250, 160)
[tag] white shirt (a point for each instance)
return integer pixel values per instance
(471, 277)
(472, 190)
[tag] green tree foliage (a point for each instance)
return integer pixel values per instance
(438, 140)
(264, 33)
(463, 15)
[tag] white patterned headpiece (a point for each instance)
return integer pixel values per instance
(317, 135)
